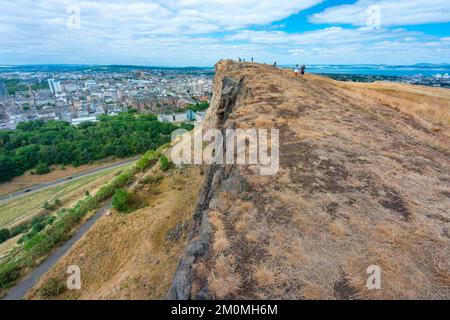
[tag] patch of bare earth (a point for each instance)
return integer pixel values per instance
(360, 184)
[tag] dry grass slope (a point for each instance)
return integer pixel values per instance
(364, 180)
(134, 256)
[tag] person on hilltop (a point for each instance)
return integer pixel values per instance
(296, 70)
(302, 70)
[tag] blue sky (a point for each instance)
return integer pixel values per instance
(198, 33)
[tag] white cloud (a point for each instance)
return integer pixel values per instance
(194, 32)
(393, 13)
(348, 45)
(327, 36)
(158, 16)
(149, 31)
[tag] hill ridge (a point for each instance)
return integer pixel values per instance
(362, 182)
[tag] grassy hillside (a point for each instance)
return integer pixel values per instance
(26, 207)
(363, 180)
(45, 235)
(134, 255)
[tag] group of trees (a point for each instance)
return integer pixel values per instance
(39, 144)
(199, 106)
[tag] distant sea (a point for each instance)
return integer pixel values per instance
(381, 70)
(423, 69)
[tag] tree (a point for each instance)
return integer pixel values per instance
(42, 168)
(7, 168)
(39, 145)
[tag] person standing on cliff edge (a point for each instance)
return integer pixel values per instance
(302, 70)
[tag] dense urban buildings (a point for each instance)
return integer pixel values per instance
(78, 94)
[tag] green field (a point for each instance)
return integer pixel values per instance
(27, 206)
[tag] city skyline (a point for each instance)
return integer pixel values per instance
(198, 33)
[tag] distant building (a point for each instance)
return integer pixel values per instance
(71, 87)
(3, 90)
(77, 121)
(55, 86)
(90, 83)
(182, 117)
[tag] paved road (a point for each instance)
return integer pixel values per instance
(73, 177)
(19, 291)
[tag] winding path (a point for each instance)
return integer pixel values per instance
(20, 290)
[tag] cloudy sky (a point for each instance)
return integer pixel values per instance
(198, 33)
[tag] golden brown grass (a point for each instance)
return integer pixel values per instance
(134, 256)
(358, 186)
(220, 242)
(224, 280)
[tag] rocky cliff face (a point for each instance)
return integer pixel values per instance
(227, 91)
(360, 186)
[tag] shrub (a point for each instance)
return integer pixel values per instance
(104, 193)
(164, 163)
(152, 179)
(19, 229)
(150, 157)
(47, 206)
(126, 202)
(52, 288)
(34, 240)
(9, 272)
(155, 191)
(120, 200)
(38, 226)
(4, 235)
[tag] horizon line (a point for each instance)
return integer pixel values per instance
(209, 67)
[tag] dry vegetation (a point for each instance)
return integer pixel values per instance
(428, 107)
(134, 256)
(364, 180)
